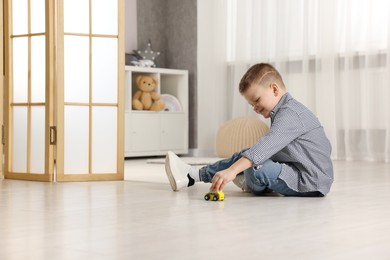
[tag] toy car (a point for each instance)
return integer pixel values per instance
(214, 195)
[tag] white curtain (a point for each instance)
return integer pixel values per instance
(334, 57)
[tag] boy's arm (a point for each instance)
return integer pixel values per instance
(223, 177)
(286, 127)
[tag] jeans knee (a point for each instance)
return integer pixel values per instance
(268, 172)
(252, 183)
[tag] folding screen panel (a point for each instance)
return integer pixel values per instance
(90, 80)
(64, 79)
(29, 77)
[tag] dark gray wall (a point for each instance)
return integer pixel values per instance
(170, 25)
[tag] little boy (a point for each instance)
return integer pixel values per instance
(293, 158)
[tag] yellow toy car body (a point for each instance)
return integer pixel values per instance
(214, 195)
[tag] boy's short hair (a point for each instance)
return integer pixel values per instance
(261, 74)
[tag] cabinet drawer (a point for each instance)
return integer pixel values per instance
(173, 132)
(143, 132)
(146, 132)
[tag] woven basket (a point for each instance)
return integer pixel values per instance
(239, 133)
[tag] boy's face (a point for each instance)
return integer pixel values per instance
(263, 98)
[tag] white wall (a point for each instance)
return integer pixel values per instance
(212, 84)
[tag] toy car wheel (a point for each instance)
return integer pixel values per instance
(206, 197)
(215, 197)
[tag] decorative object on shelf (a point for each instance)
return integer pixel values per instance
(172, 104)
(144, 58)
(146, 98)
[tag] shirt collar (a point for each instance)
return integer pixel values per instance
(285, 98)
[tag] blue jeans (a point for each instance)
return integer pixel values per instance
(257, 179)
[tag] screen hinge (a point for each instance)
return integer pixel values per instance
(53, 135)
(2, 135)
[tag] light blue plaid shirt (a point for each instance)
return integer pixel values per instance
(296, 140)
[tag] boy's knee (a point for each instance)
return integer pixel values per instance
(253, 183)
(269, 171)
(258, 179)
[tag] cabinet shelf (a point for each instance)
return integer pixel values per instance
(151, 133)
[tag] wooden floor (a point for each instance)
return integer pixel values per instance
(141, 218)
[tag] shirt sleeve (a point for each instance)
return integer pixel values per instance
(286, 127)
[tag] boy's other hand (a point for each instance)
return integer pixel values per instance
(222, 178)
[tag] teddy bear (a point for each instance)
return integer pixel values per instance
(146, 98)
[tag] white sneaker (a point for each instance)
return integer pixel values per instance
(177, 171)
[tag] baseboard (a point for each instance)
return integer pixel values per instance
(196, 152)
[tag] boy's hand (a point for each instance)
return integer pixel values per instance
(222, 178)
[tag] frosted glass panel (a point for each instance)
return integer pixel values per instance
(20, 69)
(19, 17)
(76, 16)
(38, 69)
(19, 140)
(105, 17)
(76, 136)
(37, 152)
(37, 16)
(76, 69)
(104, 70)
(104, 140)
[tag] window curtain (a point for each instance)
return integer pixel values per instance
(334, 58)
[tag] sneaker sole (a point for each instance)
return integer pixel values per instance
(169, 174)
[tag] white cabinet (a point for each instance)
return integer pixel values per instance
(149, 133)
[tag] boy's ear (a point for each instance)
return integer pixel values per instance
(275, 89)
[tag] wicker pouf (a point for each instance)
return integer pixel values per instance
(239, 133)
